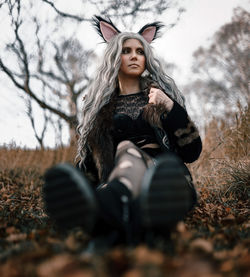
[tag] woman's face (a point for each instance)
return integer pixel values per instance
(132, 58)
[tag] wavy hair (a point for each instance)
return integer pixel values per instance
(104, 85)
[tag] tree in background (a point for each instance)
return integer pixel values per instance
(43, 58)
(222, 71)
(39, 66)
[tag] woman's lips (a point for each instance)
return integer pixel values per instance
(133, 65)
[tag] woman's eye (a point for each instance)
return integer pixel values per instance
(140, 51)
(128, 50)
(125, 50)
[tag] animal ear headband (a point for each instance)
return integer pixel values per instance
(107, 30)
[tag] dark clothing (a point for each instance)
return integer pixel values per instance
(129, 123)
(173, 131)
(183, 135)
(120, 215)
(129, 117)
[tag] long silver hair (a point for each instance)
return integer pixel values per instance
(105, 83)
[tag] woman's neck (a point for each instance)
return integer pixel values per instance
(128, 85)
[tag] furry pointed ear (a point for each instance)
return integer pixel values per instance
(105, 28)
(151, 31)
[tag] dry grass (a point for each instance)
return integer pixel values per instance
(224, 164)
(29, 164)
(21, 179)
(237, 185)
(12, 158)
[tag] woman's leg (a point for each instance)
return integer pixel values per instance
(129, 198)
(131, 164)
(71, 201)
(117, 198)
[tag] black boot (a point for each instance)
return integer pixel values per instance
(69, 199)
(165, 196)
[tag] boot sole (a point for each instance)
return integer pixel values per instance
(165, 198)
(69, 199)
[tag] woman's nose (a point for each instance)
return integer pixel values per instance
(133, 55)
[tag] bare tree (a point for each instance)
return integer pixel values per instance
(42, 60)
(221, 72)
(30, 113)
(224, 67)
(64, 75)
(68, 79)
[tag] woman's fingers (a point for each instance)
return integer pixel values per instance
(157, 96)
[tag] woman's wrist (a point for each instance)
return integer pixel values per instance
(169, 104)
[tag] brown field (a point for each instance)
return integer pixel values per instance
(213, 241)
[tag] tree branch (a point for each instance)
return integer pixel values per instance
(28, 91)
(30, 114)
(80, 90)
(47, 85)
(58, 59)
(71, 16)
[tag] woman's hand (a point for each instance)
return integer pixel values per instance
(157, 96)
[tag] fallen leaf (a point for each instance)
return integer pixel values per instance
(227, 266)
(144, 255)
(228, 219)
(133, 273)
(16, 237)
(202, 245)
(10, 230)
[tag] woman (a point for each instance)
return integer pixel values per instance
(134, 138)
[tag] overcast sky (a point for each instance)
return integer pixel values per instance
(196, 27)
